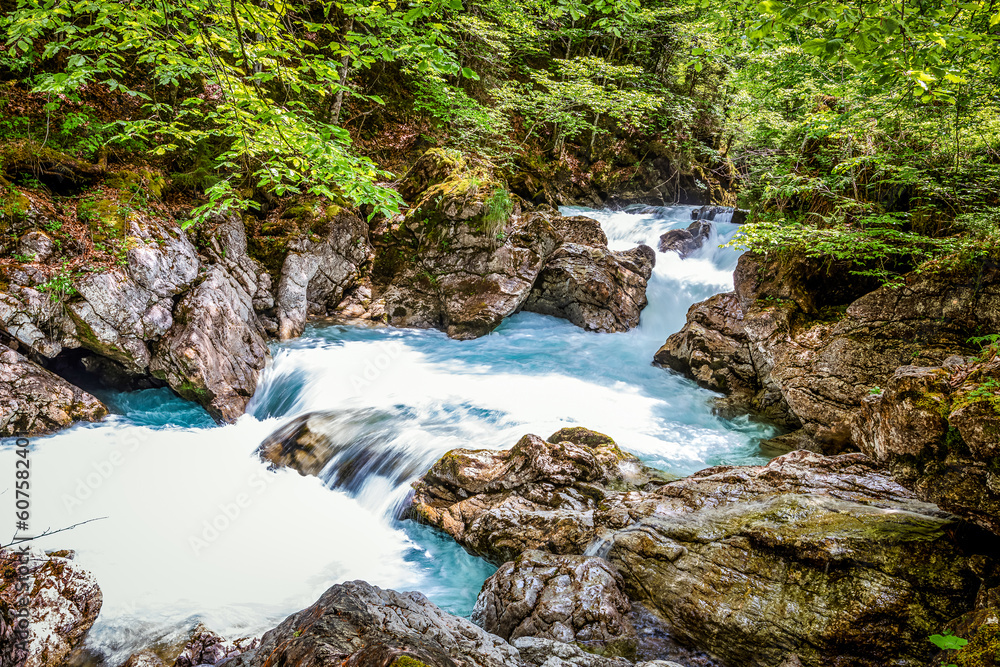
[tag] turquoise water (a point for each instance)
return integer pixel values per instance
(197, 529)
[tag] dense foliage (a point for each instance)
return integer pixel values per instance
(864, 130)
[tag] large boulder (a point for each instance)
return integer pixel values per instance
(802, 345)
(34, 401)
(865, 569)
(571, 599)
(216, 348)
(62, 599)
(938, 429)
(541, 494)
(686, 241)
(321, 268)
(358, 624)
(593, 287)
(465, 256)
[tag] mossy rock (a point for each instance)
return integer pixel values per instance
(269, 251)
(105, 217)
(144, 180)
(13, 207)
(408, 661)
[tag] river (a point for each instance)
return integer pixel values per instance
(192, 528)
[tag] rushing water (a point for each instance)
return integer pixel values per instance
(193, 528)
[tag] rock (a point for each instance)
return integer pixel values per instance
(824, 557)
(35, 401)
(320, 269)
(827, 558)
(538, 495)
(216, 349)
(343, 448)
(208, 648)
(572, 599)
(802, 348)
(36, 245)
(686, 241)
(538, 652)
(593, 287)
(938, 428)
(144, 659)
(459, 261)
(64, 601)
(358, 624)
(464, 257)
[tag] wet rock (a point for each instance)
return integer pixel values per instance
(34, 401)
(800, 347)
(938, 428)
(216, 349)
(686, 241)
(538, 495)
(824, 557)
(144, 659)
(64, 601)
(320, 269)
(358, 624)
(208, 648)
(571, 599)
(460, 261)
(593, 287)
(36, 245)
(539, 652)
(345, 449)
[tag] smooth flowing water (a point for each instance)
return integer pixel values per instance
(194, 529)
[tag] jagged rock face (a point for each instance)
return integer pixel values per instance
(822, 557)
(456, 268)
(593, 287)
(358, 624)
(64, 601)
(538, 495)
(216, 349)
(34, 401)
(868, 570)
(938, 429)
(204, 648)
(803, 348)
(685, 241)
(571, 599)
(464, 257)
(320, 270)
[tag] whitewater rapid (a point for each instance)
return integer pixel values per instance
(192, 528)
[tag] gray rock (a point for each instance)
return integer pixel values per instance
(571, 599)
(358, 624)
(318, 273)
(216, 348)
(64, 601)
(34, 401)
(686, 241)
(540, 652)
(593, 287)
(36, 245)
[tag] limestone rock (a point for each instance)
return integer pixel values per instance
(34, 401)
(539, 652)
(686, 241)
(36, 245)
(938, 429)
(593, 287)
(320, 269)
(358, 624)
(538, 495)
(64, 602)
(803, 348)
(571, 599)
(216, 349)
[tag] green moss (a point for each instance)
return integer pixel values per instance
(144, 180)
(407, 661)
(269, 251)
(983, 649)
